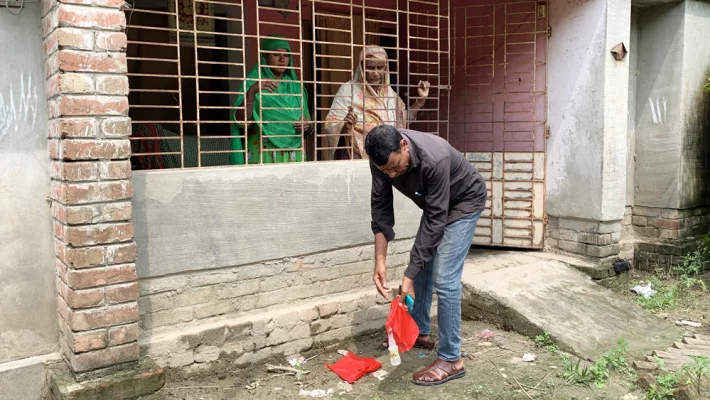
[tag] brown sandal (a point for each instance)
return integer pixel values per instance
(418, 344)
(438, 372)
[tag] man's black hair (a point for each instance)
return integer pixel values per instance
(382, 141)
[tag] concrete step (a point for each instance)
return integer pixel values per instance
(537, 292)
(262, 334)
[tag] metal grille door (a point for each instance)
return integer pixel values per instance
(498, 112)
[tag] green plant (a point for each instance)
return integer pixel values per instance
(477, 390)
(600, 371)
(693, 263)
(664, 298)
(707, 86)
(575, 374)
(544, 341)
(699, 369)
(664, 387)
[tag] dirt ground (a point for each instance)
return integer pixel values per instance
(696, 308)
(488, 360)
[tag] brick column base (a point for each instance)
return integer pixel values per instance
(599, 240)
(662, 236)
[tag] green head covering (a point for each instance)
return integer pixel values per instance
(281, 104)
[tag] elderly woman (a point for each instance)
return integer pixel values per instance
(277, 109)
(366, 101)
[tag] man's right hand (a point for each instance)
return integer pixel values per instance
(380, 279)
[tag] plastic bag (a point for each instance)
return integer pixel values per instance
(350, 368)
(404, 329)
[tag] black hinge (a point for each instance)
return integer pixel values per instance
(549, 31)
(547, 132)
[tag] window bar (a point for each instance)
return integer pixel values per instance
(258, 82)
(197, 80)
(178, 42)
(314, 115)
(300, 79)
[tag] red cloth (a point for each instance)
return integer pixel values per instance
(350, 368)
(404, 329)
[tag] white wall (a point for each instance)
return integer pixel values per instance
(28, 317)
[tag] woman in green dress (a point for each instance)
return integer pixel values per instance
(279, 98)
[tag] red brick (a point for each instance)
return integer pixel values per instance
(100, 3)
(90, 17)
(101, 276)
(115, 170)
(81, 342)
(123, 334)
(59, 230)
(88, 106)
(665, 223)
(112, 84)
(93, 214)
(670, 234)
(87, 257)
(63, 309)
(89, 235)
(77, 299)
(47, 6)
(53, 149)
(82, 193)
(116, 127)
(70, 84)
(49, 23)
(73, 128)
(80, 61)
(95, 149)
(102, 317)
(111, 41)
(74, 172)
(61, 270)
(50, 44)
(105, 357)
(78, 39)
(122, 293)
(121, 253)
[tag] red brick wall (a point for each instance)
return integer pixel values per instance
(87, 90)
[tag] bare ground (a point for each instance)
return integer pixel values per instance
(487, 364)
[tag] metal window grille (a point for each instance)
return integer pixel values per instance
(187, 60)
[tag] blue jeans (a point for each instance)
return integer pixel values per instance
(443, 273)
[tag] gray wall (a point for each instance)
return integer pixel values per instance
(587, 110)
(28, 317)
(659, 106)
(575, 101)
(212, 218)
(695, 166)
(673, 112)
(631, 138)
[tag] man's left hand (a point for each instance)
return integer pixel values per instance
(407, 289)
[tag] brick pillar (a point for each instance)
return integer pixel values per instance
(87, 89)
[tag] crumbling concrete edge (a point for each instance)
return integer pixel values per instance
(121, 382)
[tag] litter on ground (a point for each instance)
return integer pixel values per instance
(645, 290)
(380, 375)
(527, 357)
(689, 323)
(315, 393)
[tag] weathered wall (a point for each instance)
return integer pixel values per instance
(659, 106)
(632, 47)
(28, 321)
(213, 218)
(694, 163)
(575, 108)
